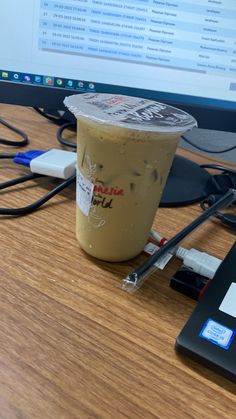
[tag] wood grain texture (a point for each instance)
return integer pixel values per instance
(72, 343)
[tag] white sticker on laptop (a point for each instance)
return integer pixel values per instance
(228, 304)
(84, 192)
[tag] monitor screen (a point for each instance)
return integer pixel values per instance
(182, 52)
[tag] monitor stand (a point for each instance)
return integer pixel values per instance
(186, 183)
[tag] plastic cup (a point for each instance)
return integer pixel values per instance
(126, 146)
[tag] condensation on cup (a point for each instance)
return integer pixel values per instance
(125, 149)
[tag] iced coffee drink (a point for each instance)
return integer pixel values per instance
(124, 157)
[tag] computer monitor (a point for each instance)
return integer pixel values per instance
(181, 52)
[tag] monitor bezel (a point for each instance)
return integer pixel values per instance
(210, 114)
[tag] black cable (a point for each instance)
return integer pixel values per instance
(59, 120)
(64, 124)
(18, 180)
(228, 219)
(70, 125)
(215, 188)
(219, 183)
(15, 143)
(7, 156)
(35, 205)
(218, 167)
(206, 150)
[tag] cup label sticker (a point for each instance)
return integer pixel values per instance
(217, 333)
(84, 192)
(228, 304)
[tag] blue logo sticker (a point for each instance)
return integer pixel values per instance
(217, 333)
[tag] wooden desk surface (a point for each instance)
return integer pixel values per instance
(72, 343)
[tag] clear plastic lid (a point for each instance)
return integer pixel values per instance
(130, 112)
